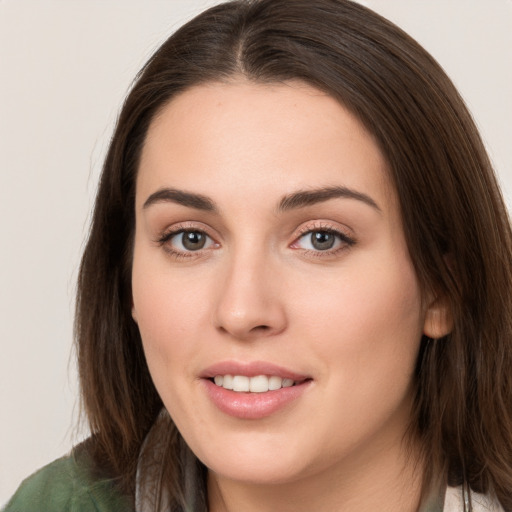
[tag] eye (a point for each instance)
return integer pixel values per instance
(186, 241)
(323, 240)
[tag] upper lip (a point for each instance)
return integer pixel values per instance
(251, 369)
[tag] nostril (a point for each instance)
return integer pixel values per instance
(261, 328)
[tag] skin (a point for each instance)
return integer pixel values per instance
(350, 318)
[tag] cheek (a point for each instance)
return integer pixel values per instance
(364, 337)
(168, 323)
(367, 323)
(167, 311)
(163, 317)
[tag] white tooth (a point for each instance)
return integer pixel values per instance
(227, 382)
(258, 384)
(287, 383)
(274, 383)
(240, 383)
(219, 379)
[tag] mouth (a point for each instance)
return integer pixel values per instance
(256, 384)
(254, 390)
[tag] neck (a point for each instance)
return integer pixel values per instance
(390, 481)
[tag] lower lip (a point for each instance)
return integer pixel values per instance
(253, 406)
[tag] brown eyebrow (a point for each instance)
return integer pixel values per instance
(299, 199)
(171, 195)
(304, 198)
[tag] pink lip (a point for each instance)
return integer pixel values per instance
(252, 406)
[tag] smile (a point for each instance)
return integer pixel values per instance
(257, 384)
(254, 390)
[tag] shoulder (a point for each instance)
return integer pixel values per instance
(67, 485)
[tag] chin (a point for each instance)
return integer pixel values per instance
(254, 473)
(253, 463)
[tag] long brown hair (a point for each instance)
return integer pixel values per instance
(455, 223)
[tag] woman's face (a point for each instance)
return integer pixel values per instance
(269, 251)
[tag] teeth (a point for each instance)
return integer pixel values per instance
(227, 382)
(287, 383)
(258, 384)
(240, 383)
(274, 382)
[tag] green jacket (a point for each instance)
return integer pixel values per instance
(67, 485)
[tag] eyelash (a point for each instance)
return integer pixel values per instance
(346, 241)
(176, 230)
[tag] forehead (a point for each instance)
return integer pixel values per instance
(223, 137)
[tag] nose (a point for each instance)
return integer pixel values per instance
(251, 300)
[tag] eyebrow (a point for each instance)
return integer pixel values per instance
(297, 200)
(304, 198)
(189, 199)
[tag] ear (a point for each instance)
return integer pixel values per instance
(134, 313)
(438, 318)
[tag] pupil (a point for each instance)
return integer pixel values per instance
(193, 240)
(322, 240)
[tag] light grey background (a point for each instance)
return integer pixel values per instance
(65, 67)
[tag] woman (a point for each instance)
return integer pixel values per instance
(296, 290)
